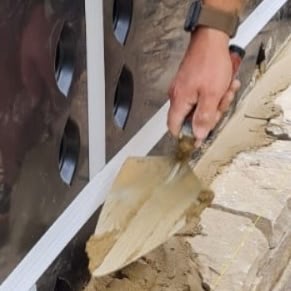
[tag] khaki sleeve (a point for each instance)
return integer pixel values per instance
(236, 6)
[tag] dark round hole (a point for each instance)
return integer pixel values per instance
(62, 285)
(123, 98)
(65, 60)
(69, 152)
(122, 16)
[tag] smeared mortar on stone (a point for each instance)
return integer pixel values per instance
(173, 265)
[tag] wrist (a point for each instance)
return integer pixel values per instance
(210, 35)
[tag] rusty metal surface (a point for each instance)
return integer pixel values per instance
(34, 108)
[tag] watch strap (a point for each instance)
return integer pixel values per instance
(218, 19)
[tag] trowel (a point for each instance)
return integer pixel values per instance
(151, 199)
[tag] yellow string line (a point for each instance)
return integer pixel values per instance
(226, 266)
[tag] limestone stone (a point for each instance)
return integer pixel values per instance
(256, 184)
(252, 206)
(284, 284)
(280, 127)
(273, 267)
(229, 251)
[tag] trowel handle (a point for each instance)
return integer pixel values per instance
(236, 54)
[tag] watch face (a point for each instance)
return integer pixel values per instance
(193, 16)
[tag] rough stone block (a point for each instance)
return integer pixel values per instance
(280, 127)
(258, 184)
(273, 267)
(284, 283)
(230, 251)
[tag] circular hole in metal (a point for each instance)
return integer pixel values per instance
(65, 59)
(62, 285)
(122, 16)
(69, 152)
(123, 98)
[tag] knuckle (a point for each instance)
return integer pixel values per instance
(172, 87)
(209, 91)
(179, 96)
(174, 93)
(171, 93)
(203, 117)
(213, 94)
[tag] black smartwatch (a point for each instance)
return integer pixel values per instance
(200, 14)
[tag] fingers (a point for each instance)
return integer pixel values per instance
(235, 85)
(229, 96)
(204, 116)
(226, 101)
(209, 111)
(179, 109)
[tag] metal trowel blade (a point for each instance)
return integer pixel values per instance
(142, 211)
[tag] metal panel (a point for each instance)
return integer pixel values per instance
(43, 119)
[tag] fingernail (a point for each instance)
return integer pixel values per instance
(200, 133)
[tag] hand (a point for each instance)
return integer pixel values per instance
(204, 79)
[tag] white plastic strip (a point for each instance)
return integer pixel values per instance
(33, 288)
(256, 22)
(96, 85)
(93, 195)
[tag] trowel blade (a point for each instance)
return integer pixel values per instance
(142, 211)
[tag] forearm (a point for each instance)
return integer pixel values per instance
(227, 5)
